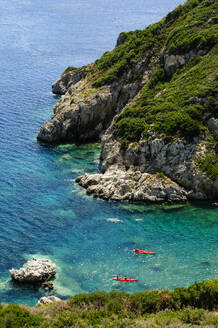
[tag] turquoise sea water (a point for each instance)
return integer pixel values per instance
(42, 211)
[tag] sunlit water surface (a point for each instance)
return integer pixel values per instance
(43, 212)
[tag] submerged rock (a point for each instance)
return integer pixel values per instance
(35, 271)
(47, 285)
(48, 300)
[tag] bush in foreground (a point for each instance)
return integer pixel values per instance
(182, 307)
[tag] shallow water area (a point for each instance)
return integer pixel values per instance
(43, 213)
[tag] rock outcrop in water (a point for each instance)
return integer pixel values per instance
(35, 271)
(153, 102)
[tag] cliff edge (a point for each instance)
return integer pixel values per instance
(153, 103)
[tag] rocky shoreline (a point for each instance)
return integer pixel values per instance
(176, 160)
(83, 113)
(132, 186)
(156, 167)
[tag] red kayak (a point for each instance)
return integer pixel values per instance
(126, 279)
(143, 251)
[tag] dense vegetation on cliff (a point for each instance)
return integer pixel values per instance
(179, 104)
(177, 100)
(169, 102)
(182, 307)
(153, 102)
(184, 29)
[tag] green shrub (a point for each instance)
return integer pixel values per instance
(157, 76)
(119, 309)
(184, 29)
(96, 300)
(200, 295)
(64, 319)
(168, 105)
(204, 294)
(209, 165)
(12, 316)
(180, 298)
(173, 15)
(111, 66)
(195, 112)
(192, 316)
(144, 302)
(124, 144)
(130, 129)
(69, 69)
(94, 318)
(183, 40)
(177, 123)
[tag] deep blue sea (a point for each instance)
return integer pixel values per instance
(43, 213)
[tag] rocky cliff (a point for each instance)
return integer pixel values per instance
(153, 102)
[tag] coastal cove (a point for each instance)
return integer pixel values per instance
(43, 212)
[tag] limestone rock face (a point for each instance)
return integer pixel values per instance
(67, 80)
(213, 127)
(83, 119)
(83, 113)
(133, 186)
(48, 300)
(177, 160)
(149, 170)
(35, 271)
(121, 39)
(172, 62)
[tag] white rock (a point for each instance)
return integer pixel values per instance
(34, 271)
(134, 186)
(48, 300)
